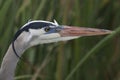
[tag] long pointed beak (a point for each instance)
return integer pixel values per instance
(82, 31)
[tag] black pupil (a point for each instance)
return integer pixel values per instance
(47, 29)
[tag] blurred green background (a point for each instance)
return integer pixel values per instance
(58, 61)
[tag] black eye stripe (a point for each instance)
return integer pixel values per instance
(34, 25)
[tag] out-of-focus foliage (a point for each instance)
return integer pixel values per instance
(56, 61)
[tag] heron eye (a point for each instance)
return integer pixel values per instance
(47, 29)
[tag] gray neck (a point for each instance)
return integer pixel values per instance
(9, 62)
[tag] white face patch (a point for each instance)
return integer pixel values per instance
(37, 32)
(49, 36)
(45, 38)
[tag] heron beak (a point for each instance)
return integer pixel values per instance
(82, 31)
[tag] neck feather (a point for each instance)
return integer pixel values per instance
(9, 62)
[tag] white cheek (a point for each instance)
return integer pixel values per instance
(49, 36)
(46, 38)
(36, 32)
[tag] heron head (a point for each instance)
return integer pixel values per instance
(40, 32)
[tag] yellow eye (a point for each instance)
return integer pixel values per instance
(47, 29)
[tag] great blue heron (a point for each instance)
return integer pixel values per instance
(40, 32)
